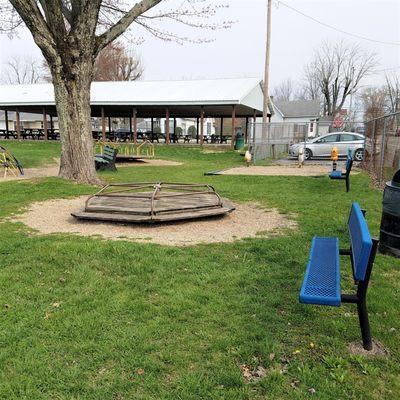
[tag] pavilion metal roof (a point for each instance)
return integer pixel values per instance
(149, 95)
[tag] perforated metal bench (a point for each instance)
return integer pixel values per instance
(321, 284)
(344, 175)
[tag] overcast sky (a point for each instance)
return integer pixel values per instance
(239, 51)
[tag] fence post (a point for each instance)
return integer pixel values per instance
(373, 146)
(383, 148)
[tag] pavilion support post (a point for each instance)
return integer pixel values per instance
(254, 129)
(7, 128)
(152, 130)
(246, 130)
(46, 136)
(197, 130)
(18, 123)
(109, 127)
(221, 134)
(103, 125)
(51, 123)
(202, 126)
(167, 125)
(233, 126)
(134, 125)
(175, 137)
(130, 128)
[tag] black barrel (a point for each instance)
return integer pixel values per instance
(389, 241)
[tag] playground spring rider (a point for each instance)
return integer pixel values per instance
(334, 157)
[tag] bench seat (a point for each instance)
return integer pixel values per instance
(337, 175)
(321, 284)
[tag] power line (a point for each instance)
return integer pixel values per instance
(386, 69)
(337, 29)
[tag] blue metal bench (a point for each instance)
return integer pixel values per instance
(344, 175)
(321, 284)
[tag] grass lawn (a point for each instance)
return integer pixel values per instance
(85, 318)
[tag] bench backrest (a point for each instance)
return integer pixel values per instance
(349, 164)
(109, 153)
(361, 241)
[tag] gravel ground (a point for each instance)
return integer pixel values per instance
(279, 170)
(148, 163)
(248, 220)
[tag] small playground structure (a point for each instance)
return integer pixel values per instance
(154, 202)
(9, 163)
(127, 151)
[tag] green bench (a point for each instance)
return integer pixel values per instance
(107, 159)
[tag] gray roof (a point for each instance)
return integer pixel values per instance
(299, 108)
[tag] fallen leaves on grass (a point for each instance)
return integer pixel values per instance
(253, 374)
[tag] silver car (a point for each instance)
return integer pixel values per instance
(322, 146)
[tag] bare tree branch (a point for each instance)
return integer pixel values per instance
(337, 70)
(124, 22)
(22, 70)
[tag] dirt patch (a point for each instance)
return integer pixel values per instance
(148, 163)
(205, 151)
(31, 173)
(52, 170)
(280, 170)
(378, 349)
(248, 220)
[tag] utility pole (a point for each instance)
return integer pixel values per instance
(267, 57)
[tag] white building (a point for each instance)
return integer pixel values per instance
(303, 114)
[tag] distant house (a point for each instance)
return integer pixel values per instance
(303, 114)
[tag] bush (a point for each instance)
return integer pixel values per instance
(192, 131)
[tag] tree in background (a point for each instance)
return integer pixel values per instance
(285, 91)
(310, 88)
(70, 35)
(374, 102)
(115, 63)
(392, 87)
(379, 101)
(192, 131)
(338, 69)
(22, 70)
(332, 77)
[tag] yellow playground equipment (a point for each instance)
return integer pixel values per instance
(128, 150)
(9, 163)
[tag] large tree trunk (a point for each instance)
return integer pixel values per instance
(73, 109)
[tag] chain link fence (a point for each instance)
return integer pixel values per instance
(382, 141)
(273, 139)
(382, 147)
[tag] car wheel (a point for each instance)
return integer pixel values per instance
(308, 154)
(359, 155)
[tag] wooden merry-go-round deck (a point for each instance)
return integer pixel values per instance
(154, 202)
